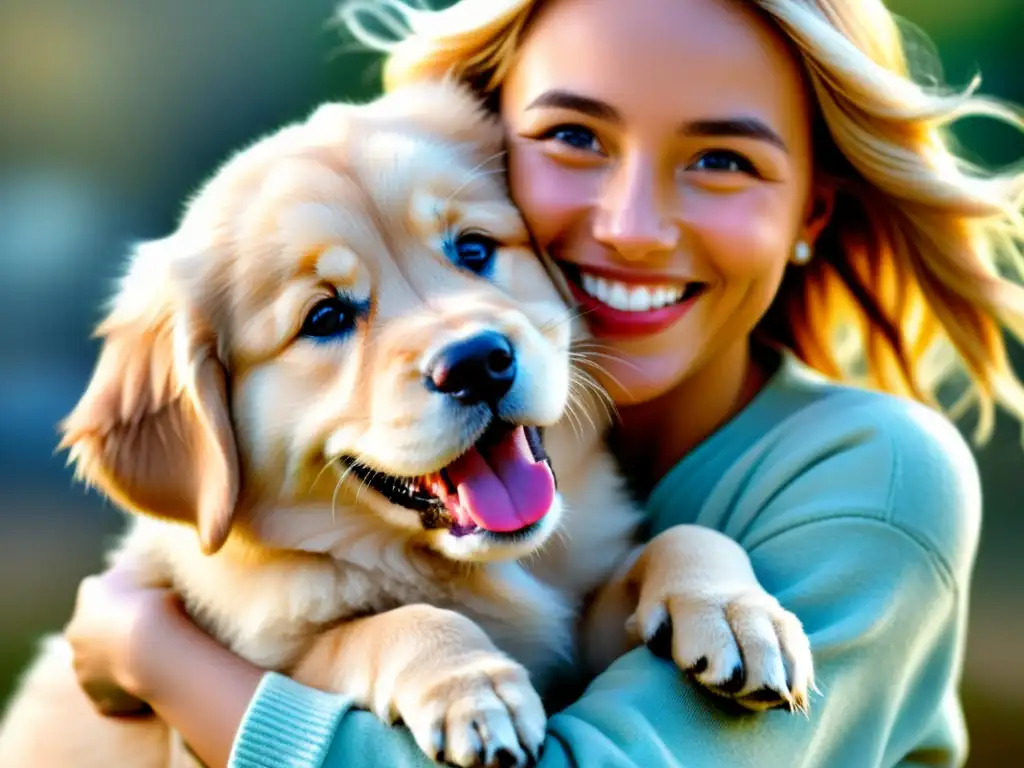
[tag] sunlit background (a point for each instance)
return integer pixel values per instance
(112, 111)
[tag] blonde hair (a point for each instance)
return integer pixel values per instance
(917, 271)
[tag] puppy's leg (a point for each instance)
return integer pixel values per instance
(691, 595)
(51, 723)
(436, 670)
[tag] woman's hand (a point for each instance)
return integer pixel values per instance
(113, 625)
(135, 648)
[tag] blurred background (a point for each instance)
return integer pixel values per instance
(113, 111)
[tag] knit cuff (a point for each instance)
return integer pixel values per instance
(287, 725)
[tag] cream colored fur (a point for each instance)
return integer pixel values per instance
(210, 420)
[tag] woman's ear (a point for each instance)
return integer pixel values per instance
(820, 205)
(153, 430)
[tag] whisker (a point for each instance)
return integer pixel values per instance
(590, 359)
(348, 469)
(572, 417)
(588, 356)
(472, 174)
(597, 389)
(582, 381)
(580, 365)
(572, 313)
(334, 496)
(597, 349)
(327, 465)
(578, 389)
(364, 482)
(334, 501)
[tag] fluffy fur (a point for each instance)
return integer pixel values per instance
(221, 427)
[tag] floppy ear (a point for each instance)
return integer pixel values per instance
(444, 109)
(152, 430)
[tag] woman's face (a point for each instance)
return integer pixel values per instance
(660, 152)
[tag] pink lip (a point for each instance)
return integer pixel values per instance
(608, 322)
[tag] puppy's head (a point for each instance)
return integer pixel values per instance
(350, 324)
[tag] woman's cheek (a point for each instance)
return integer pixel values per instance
(741, 233)
(549, 195)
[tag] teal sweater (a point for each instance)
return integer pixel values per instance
(860, 512)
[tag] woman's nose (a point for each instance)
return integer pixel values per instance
(632, 217)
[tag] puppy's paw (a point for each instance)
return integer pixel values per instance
(743, 646)
(480, 710)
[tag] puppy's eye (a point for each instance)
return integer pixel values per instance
(474, 251)
(330, 318)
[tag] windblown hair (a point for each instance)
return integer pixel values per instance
(918, 272)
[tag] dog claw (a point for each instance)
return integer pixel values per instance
(660, 643)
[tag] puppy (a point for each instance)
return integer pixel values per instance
(322, 398)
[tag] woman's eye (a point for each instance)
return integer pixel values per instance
(329, 319)
(575, 136)
(723, 161)
(474, 251)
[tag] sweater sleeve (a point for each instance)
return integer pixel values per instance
(869, 541)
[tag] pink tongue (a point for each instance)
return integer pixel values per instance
(508, 490)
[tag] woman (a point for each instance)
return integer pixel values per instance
(771, 164)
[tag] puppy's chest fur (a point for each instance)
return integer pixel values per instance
(269, 608)
(269, 612)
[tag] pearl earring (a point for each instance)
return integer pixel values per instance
(801, 253)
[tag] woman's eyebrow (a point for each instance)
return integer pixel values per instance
(740, 127)
(558, 99)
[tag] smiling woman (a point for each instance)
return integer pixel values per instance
(701, 196)
(758, 213)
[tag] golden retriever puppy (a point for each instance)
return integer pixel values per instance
(322, 398)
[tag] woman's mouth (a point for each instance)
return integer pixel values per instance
(620, 305)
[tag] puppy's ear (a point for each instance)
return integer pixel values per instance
(152, 430)
(444, 109)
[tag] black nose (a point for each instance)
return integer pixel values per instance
(479, 369)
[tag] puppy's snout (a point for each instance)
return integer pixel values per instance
(480, 369)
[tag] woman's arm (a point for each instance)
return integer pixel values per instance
(196, 684)
(886, 625)
(865, 525)
(869, 541)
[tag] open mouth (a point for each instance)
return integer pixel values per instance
(628, 308)
(502, 484)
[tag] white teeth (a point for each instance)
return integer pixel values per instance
(630, 298)
(639, 300)
(618, 296)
